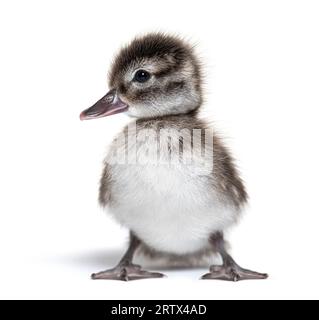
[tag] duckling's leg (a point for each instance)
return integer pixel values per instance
(230, 270)
(126, 270)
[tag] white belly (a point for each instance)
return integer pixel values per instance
(171, 209)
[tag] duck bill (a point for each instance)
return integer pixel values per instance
(108, 105)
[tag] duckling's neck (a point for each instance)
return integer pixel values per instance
(188, 120)
(190, 116)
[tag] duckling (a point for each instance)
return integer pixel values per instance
(167, 176)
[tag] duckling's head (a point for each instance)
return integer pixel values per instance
(155, 75)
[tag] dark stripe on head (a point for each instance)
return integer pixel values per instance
(145, 94)
(175, 85)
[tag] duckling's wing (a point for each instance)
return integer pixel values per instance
(226, 175)
(104, 192)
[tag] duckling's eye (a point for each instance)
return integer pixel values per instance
(141, 76)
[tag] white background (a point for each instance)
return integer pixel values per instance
(262, 88)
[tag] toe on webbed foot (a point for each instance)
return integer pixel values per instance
(126, 273)
(232, 273)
